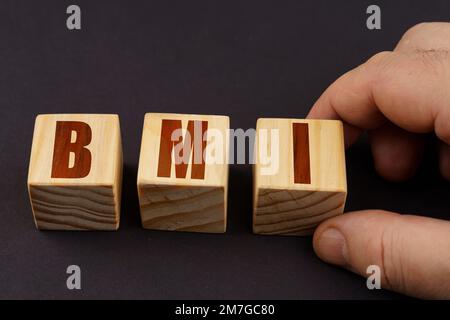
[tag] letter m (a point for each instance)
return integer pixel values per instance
(173, 143)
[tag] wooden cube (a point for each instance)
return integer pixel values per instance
(183, 172)
(75, 173)
(307, 185)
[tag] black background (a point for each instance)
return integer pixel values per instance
(245, 59)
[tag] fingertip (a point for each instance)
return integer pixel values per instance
(393, 168)
(444, 160)
(320, 110)
(397, 154)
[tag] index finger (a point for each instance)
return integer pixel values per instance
(410, 90)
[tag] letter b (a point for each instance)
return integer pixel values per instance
(64, 147)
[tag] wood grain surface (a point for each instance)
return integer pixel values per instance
(183, 208)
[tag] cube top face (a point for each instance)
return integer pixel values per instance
(311, 155)
(204, 165)
(75, 150)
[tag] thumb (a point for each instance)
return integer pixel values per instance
(413, 252)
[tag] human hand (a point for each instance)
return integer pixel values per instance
(398, 97)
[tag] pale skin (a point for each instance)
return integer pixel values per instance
(399, 97)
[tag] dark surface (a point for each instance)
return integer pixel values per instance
(258, 59)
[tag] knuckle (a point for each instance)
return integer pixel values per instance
(384, 248)
(425, 36)
(418, 28)
(381, 66)
(379, 57)
(417, 32)
(390, 257)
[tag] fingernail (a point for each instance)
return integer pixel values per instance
(332, 247)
